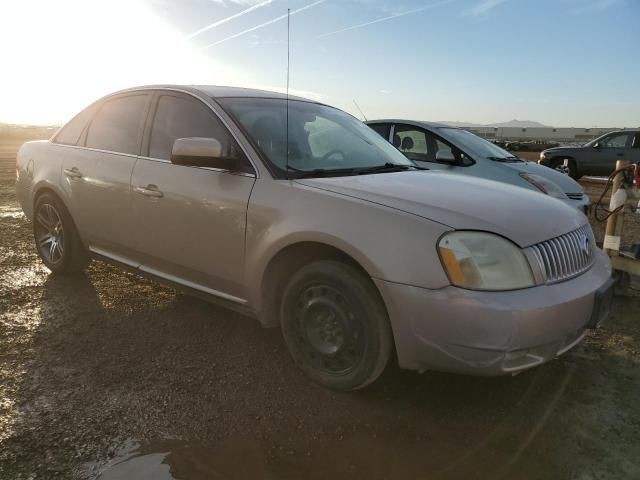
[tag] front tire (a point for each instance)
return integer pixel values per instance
(569, 169)
(335, 325)
(57, 241)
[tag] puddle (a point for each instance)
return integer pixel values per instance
(178, 460)
(145, 467)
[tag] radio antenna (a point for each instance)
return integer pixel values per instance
(359, 109)
(288, 70)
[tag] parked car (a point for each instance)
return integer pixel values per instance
(323, 229)
(598, 157)
(441, 147)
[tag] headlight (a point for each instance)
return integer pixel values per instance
(484, 261)
(544, 185)
(541, 156)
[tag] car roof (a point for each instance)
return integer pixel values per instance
(415, 123)
(418, 123)
(217, 91)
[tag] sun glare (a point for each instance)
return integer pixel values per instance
(59, 56)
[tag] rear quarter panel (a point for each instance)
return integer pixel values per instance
(38, 166)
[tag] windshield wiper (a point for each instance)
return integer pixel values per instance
(336, 172)
(505, 159)
(387, 167)
(320, 172)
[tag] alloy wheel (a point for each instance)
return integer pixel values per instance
(49, 233)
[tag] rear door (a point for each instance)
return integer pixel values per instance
(112, 142)
(189, 222)
(77, 168)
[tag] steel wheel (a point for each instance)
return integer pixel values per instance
(328, 333)
(49, 233)
(562, 168)
(335, 325)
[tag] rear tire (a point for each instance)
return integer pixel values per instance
(57, 241)
(335, 325)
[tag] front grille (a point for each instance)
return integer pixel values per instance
(565, 256)
(575, 196)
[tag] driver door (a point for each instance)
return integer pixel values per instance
(190, 222)
(610, 149)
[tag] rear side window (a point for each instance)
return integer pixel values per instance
(382, 129)
(412, 142)
(117, 125)
(70, 133)
(183, 117)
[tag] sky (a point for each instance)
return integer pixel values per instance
(559, 62)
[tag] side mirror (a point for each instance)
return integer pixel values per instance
(200, 152)
(446, 156)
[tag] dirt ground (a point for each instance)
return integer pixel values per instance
(108, 375)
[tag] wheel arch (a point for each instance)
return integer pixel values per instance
(46, 187)
(286, 261)
(571, 159)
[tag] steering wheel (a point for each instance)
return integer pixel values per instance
(335, 151)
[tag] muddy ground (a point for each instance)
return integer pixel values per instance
(108, 375)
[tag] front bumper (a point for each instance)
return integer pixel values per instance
(491, 333)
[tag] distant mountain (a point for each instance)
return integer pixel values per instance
(510, 123)
(520, 123)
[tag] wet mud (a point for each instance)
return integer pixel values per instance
(108, 375)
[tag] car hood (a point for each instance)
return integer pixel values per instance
(565, 182)
(563, 150)
(462, 202)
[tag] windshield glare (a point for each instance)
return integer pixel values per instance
(475, 145)
(320, 137)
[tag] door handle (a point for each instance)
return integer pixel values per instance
(149, 191)
(73, 172)
(620, 154)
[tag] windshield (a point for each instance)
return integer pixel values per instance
(321, 138)
(476, 146)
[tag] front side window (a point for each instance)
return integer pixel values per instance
(615, 141)
(183, 117)
(118, 123)
(70, 133)
(423, 146)
(476, 146)
(319, 137)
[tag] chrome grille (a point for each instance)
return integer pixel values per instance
(565, 256)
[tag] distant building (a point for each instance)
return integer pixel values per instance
(580, 135)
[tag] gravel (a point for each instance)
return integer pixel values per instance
(106, 372)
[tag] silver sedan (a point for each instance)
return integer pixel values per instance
(298, 214)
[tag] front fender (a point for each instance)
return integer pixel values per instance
(388, 244)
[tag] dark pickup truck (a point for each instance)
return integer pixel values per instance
(598, 157)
